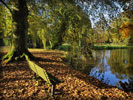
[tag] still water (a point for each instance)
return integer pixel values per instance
(111, 66)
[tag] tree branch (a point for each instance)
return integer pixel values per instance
(6, 5)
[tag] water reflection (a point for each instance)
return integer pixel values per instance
(113, 66)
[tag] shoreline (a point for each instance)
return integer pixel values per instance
(76, 85)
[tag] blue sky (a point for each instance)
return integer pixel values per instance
(108, 11)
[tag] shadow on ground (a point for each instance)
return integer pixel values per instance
(17, 81)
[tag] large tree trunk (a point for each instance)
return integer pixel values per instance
(19, 40)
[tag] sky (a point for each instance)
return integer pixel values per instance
(97, 10)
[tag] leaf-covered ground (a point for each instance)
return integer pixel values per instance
(17, 83)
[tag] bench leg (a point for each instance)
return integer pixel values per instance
(34, 75)
(53, 89)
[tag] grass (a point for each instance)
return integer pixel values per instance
(111, 46)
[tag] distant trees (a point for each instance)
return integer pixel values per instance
(63, 22)
(52, 24)
(126, 28)
(121, 28)
(49, 23)
(118, 31)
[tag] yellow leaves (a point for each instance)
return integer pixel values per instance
(21, 90)
(126, 29)
(59, 59)
(17, 81)
(36, 83)
(5, 91)
(125, 32)
(79, 17)
(125, 24)
(60, 11)
(10, 93)
(4, 62)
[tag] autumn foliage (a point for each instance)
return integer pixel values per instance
(126, 29)
(17, 83)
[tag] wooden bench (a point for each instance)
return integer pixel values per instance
(50, 79)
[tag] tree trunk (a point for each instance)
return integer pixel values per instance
(19, 37)
(60, 35)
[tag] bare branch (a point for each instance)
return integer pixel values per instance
(6, 5)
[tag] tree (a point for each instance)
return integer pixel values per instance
(63, 22)
(126, 29)
(19, 12)
(121, 28)
(20, 23)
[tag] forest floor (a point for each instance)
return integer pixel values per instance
(17, 83)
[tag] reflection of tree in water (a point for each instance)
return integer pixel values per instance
(120, 62)
(101, 77)
(122, 66)
(102, 61)
(87, 69)
(117, 62)
(131, 56)
(84, 65)
(102, 66)
(123, 76)
(127, 86)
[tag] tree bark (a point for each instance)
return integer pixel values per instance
(60, 35)
(19, 37)
(21, 24)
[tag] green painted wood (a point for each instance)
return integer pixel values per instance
(50, 79)
(40, 71)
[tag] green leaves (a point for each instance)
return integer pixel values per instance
(59, 23)
(6, 25)
(51, 25)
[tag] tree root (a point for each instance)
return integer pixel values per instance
(15, 56)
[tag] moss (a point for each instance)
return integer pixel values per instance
(16, 56)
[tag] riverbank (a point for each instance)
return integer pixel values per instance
(17, 81)
(111, 46)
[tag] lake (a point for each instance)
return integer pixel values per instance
(110, 66)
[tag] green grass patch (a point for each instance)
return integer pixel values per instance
(110, 46)
(65, 47)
